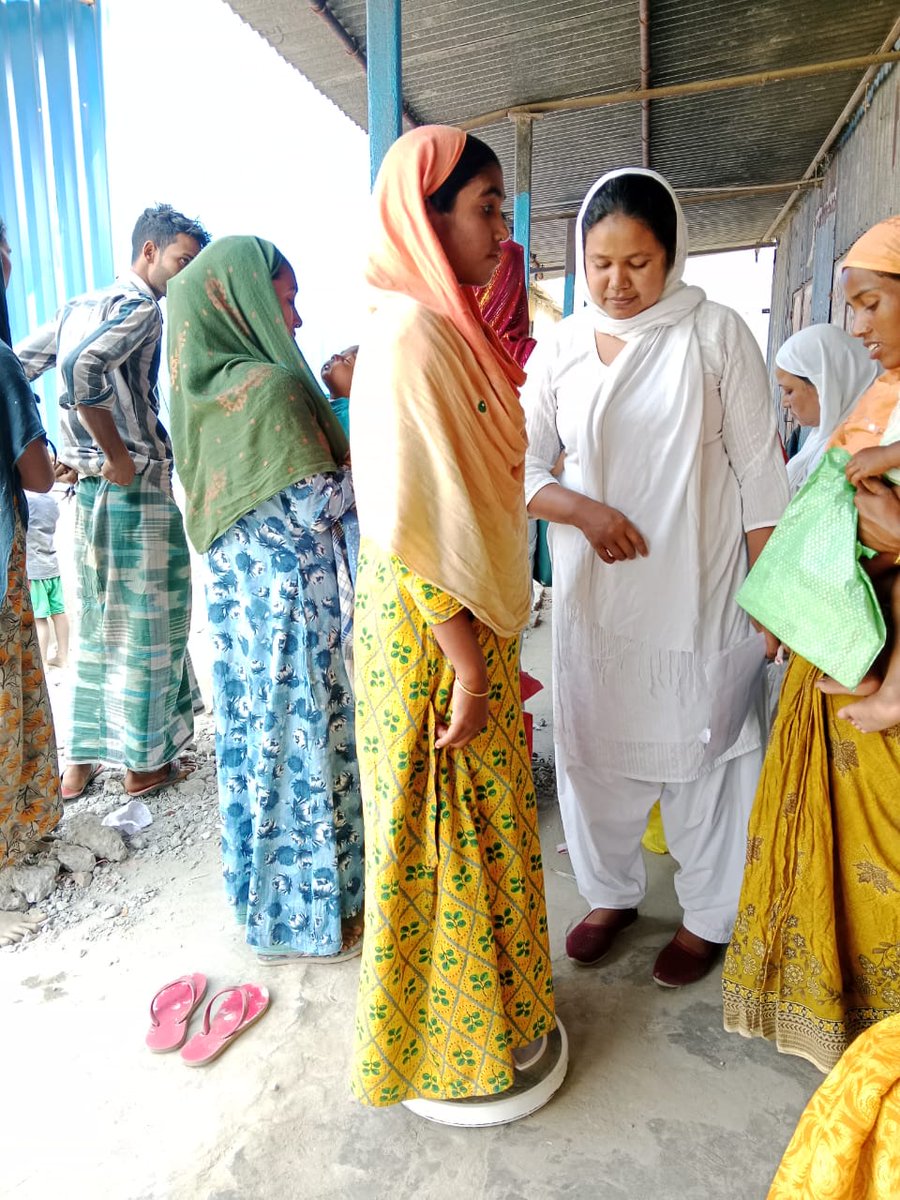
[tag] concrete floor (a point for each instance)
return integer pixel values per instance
(659, 1104)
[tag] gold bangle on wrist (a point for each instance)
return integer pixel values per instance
(469, 692)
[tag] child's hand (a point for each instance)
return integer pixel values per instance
(872, 462)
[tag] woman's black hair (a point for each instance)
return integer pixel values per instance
(642, 198)
(279, 262)
(476, 155)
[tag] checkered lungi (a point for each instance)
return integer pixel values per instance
(131, 693)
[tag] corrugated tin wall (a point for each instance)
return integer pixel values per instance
(860, 187)
(53, 183)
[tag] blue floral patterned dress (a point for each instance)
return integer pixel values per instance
(292, 830)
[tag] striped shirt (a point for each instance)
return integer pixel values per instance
(107, 346)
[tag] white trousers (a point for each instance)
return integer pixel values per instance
(604, 816)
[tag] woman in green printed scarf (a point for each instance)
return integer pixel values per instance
(269, 496)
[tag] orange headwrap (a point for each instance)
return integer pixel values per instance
(878, 249)
(438, 434)
(407, 256)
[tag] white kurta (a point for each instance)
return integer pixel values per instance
(632, 640)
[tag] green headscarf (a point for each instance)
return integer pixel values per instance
(248, 417)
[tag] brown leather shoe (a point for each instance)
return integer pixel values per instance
(679, 964)
(587, 944)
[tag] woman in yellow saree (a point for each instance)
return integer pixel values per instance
(456, 991)
(815, 955)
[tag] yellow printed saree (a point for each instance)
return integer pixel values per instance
(815, 954)
(847, 1143)
(456, 967)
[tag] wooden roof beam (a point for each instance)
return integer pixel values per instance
(699, 87)
(835, 131)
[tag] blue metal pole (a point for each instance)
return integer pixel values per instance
(569, 288)
(522, 197)
(385, 78)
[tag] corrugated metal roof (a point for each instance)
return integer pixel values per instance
(462, 58)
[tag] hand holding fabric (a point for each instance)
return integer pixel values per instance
(119, 470)
(468, 717)
(879, 515)
(611, 534)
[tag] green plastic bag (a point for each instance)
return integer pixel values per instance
(808, 588)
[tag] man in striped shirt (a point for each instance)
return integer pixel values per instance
(131, 695)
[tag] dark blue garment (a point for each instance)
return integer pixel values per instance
(20, 425)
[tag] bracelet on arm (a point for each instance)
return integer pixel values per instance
(469, 692)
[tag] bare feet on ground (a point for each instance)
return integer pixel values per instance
(866, 687)
(875, 713)
(351, 931)
(137, 781)
(14, 926)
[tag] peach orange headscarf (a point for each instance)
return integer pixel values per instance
(877, 250)
(438, 433)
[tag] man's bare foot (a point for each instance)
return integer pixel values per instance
(143, 783)
(14, 926)
(875, 713)
(867, 686)
(138, 781)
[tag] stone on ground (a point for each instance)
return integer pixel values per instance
(86, 830)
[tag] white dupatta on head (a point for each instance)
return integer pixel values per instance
(677, 300)
(840, 369)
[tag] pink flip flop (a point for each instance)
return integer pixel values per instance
(240, 1008)
(76, 793)
(171, 1009)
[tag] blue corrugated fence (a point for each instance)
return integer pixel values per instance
(54, 193)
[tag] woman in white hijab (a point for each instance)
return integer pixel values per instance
(822, 372)
(673, 478)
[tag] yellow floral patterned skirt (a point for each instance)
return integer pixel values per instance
(815, 955)
(456, 961)
(30, 804)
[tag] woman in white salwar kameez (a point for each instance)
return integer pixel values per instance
(673, 478)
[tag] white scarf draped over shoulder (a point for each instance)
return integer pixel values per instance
(654, 388)
(840, 369)
(633, 641)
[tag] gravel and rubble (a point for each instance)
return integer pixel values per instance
(89, 875)
(85, 874)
